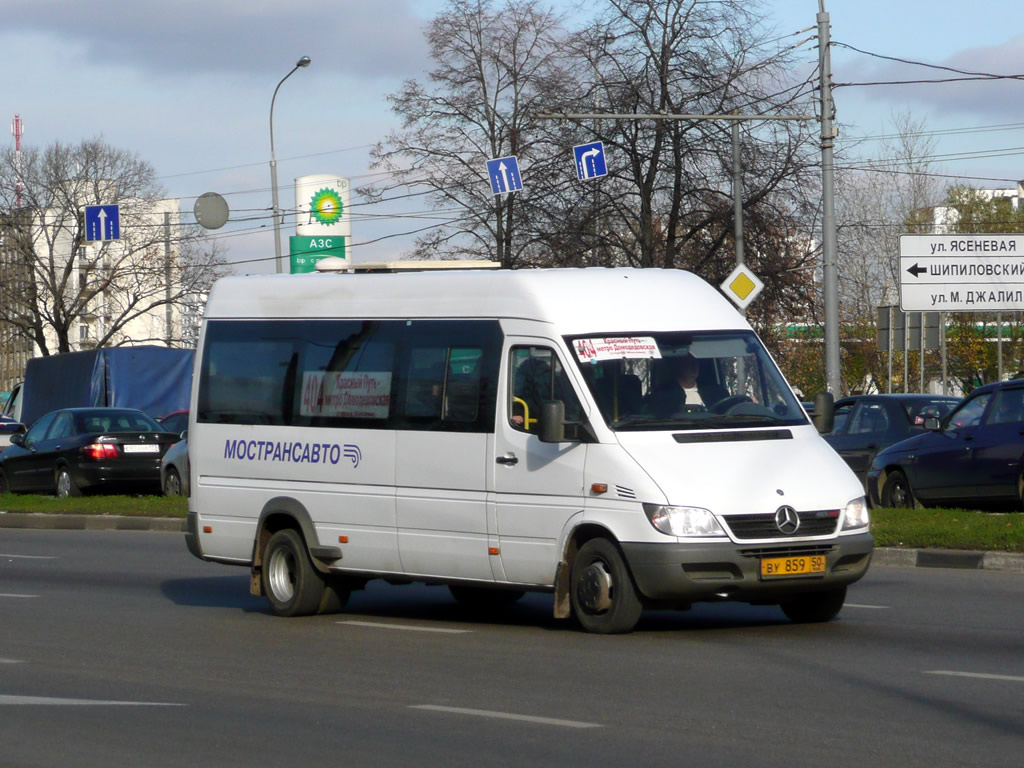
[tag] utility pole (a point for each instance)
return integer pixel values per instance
(830, 272)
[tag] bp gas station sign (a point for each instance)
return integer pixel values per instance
(307, 251)
(323, 225)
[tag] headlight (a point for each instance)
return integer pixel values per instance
(683, 521)
(856, 514)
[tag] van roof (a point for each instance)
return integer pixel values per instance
(583, 300)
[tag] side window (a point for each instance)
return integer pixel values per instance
(536, 377)
(38, 430)
(1008, 407)
(376, 374)
(969, 414)
(63, 426)
(870, 417)
(842, 418)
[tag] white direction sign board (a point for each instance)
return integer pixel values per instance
(962, 273)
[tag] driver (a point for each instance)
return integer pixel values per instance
(678, 388)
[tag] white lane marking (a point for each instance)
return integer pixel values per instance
(871, 607)
(406, 627)
(10, 594)
(11, 661)
(508, 716)
(53, 701)
(29, 557)
(979, 675)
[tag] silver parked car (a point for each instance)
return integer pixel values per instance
(174, 469)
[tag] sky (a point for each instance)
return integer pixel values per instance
(187, 86)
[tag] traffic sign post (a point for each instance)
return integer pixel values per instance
(962, 273)
(590, 161)
(504, 175)
(102, 222)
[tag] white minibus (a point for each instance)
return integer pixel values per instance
(619, 438)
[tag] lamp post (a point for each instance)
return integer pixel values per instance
(303, 62)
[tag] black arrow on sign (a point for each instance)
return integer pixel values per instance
(916, 270)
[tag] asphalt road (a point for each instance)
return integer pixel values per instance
(118, 648)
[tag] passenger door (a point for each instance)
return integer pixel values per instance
(538, 486)
(998, 447)
(29, 466)
(944, 468)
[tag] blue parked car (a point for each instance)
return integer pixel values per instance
(973, 457)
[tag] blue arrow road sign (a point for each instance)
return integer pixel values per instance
(590, 160)
(504, 175)
(102, 222)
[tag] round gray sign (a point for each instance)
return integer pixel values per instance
(211, 210)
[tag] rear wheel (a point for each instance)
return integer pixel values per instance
(815, 606)
(896, 491)
(292, 585)
(172, 483)
(603, 597)
(66, 484)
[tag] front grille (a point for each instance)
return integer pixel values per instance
(798, 550)
(762, 526)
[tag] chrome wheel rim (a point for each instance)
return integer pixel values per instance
(63, 484)
(281, 575)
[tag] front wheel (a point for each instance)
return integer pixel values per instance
(66, 484)
(896, 491)
(603, 597)
(292, 585)
(813, 607)
(172, 483)
(5, 487)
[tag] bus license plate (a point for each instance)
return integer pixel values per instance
(781, 567)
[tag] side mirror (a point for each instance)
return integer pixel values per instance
(824, 412)
(932, 424)
(552, 421)
(18, 438)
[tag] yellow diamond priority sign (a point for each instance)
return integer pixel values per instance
(742, 286)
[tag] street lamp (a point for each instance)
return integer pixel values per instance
(303, 62)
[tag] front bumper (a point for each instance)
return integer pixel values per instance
(700, 572)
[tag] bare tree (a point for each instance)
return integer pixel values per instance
(495, 67)
(67, 281)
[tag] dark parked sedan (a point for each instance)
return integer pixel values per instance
(973, 457)
(74, 450)
(865, 424)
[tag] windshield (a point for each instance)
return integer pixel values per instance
(685, 380)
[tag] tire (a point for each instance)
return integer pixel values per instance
(292, 585)
(172, 483)
(813, 607)
(483, 598)
(604, 600)
(66, 487)
(896, 491)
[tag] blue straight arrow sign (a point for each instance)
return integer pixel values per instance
(504, 175)
(102, 222)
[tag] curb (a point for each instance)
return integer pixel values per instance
(948, 558)
(884, 556)
(41, 521)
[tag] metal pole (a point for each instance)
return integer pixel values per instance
(303, 62)
(888, 386)
(944, 355)
(168, 315)
(999, 345)
(737, 193)
(828, 222)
